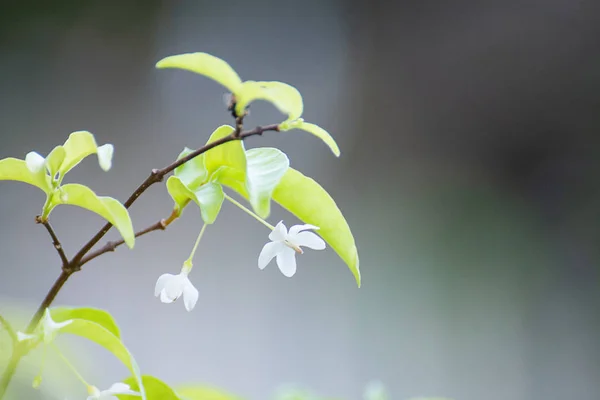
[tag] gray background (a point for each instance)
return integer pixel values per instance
(469, 173)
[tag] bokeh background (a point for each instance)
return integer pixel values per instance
(469, 173)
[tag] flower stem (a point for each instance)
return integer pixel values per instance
(188, 262)
(249, 212)
(71, 367)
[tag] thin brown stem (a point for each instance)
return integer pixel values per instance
(112, 246)
(55, 241)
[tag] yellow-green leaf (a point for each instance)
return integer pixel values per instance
(55, 159)
(204, 64)
(209, 197)
(154, 387)
(197, 392)
(285, 97)
(315, 130)
(78, 146)
(193, 173)
(102, 336)
(106, 207)
(308, 201)
(266, 167)
(101, 317)
(13, 169)
(230, 154)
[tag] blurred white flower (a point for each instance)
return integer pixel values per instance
(171, 287)
(105, 155)
(284, 245)
(116, 388)
(49, 329)
(35, 162)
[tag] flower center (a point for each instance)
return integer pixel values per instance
(293, 246)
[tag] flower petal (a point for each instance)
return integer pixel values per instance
(161, 283)
(164, 298)
(297, 228)
(190, 296)
(279, 233)
(120, 388)
(310, 240)
(286, 260)
(174, 287)
(35, 163)
(105, 155)
(269, 251)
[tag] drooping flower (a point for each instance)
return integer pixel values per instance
(284, 245)
(111, 392)
(47, 329)
(170, 287)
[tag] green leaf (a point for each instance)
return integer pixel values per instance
(55, 159)
(13, 169)
(78, 146)
(204, 64)
(107, 207)
(209, 197)
(230, 154)
(285, 97)
(308, 201)
(315, 130)
(102, 336)
(195, 392)
(155, 389)
(192, 173)
(101, 317)
(266, 167)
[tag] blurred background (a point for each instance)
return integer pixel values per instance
(469, 174)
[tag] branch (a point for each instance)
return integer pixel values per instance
(112, 246)
(55, 241)
(78, 260)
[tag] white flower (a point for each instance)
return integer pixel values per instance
(105, 154)
(49, 329)
(170, 287)
(286, 244)
(116, 388)
(35, 162)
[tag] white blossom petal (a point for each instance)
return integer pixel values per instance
(269, 251)
(161, 282)
(105, 155)
(310, 240)
(190, 296)
(286, 260)
(164, 298)
(174, 287)
(279, 233)
(297, 228)
(120, 388)
(35, 162)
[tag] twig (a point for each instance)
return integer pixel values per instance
(74, 265)
(112, 246)
(55, 241)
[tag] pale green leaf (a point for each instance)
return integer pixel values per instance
(197, 392)
(192, 173)
(106, 207)
(101, 317)
(13, 169)
(209, 197)
(315, 130)
(154, 387)
(78, 146)
(284, 97)
(308, 201)
(55, 160)
(266, 167)
(230, 154)
(204, 64)
(102, 336)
